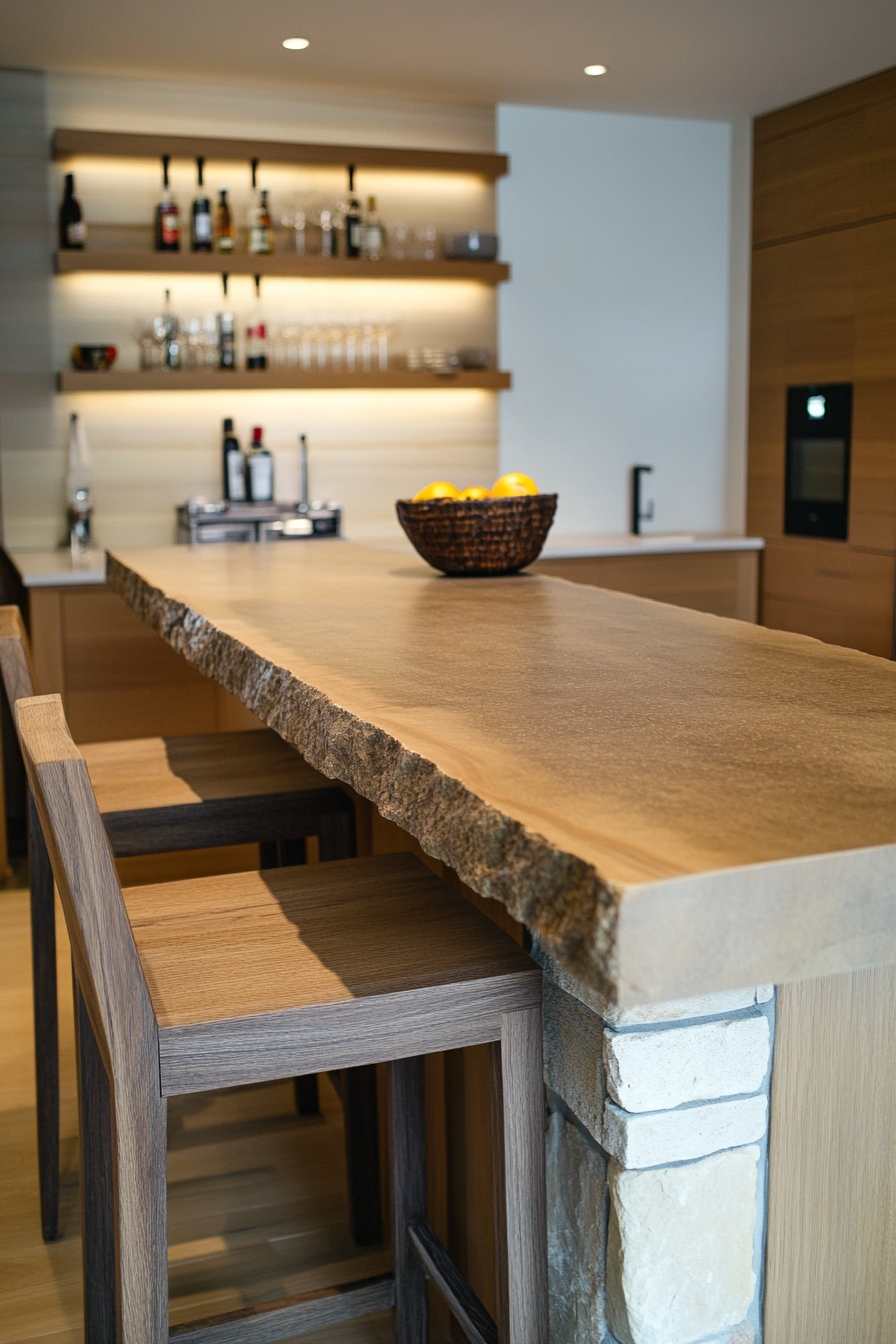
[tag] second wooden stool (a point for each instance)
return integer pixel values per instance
(162, 794)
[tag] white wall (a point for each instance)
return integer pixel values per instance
(616, 323)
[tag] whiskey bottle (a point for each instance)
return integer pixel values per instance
(261, 234)
(354, 220)
(225, 233)
(72, 229)
(167, 215)
(201, 219)
(234, 466)
(259, 471)
(373, 232)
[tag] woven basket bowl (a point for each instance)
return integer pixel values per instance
(478, 536)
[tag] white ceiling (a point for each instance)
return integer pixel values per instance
(704, 58)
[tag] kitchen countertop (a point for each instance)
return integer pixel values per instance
(676, 803)
(49, 569)
(587, 545)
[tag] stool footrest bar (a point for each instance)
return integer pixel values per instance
(465, 1306)
(294, 1316)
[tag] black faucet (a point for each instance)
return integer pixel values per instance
(639, 516)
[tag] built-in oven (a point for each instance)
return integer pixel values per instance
(819, 436)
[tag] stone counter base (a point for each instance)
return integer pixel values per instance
(657, 1158)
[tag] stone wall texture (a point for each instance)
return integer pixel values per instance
(657, 1152)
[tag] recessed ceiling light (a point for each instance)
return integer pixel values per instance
(589, 69)
(296, 43)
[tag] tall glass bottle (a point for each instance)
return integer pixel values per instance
(201, 216)
(354, 219)
(259, 471)
(167, 215)
(261, 233)
(234, 466)
(373, 232)
(72, 229)
(80, 479)
(226, 341)
(225, 232)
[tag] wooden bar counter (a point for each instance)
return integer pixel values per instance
(675, 804)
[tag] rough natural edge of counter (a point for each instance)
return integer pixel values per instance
(561, 898)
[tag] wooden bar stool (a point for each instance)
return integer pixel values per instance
(216, 982)
(161, 794)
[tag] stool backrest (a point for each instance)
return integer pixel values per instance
(16, 665)
(103, 949)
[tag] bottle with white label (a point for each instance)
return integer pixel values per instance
(373, 232)
(201, 218)
(259, 471)
(234, 466)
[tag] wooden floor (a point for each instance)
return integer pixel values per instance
(257, 1199)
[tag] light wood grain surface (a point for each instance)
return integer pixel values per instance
(831, 1262)
(618, 772)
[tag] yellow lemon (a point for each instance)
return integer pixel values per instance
(437, 490)
(475, 492)
(514, 483)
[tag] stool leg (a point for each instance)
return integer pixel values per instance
(408, 1135)
(97, 1184)
(523, 1097)
(362, 1153)
(307, 1094)
(46, 1023)
(336, 835)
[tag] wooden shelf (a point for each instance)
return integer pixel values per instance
(279, 264)
(117, 144)
(257, 380)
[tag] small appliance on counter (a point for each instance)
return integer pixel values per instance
(203, 520)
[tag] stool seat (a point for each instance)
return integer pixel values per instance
(153, 772)
(194, 792)
(246, 972)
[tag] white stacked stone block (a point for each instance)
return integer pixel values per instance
(658, 1070)
(659, 1137)
(680, 1249)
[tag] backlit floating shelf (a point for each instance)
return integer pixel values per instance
(117, 144)
(259, 380)
(283, 264)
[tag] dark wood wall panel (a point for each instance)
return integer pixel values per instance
(824, 310)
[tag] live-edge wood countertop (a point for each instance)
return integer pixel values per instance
(676, 803)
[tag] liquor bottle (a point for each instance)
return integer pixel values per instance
(234, 466)
(354, 220)
(256, 344)
(226, 341)
(329, 235)
(80, 477)
(167, 215)
(373, 232)
(201, 218)
(259, 471)
(225, 233)
(166, 332)
(72, 229)
(261, 235)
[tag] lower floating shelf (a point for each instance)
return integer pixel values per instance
(258, 380)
